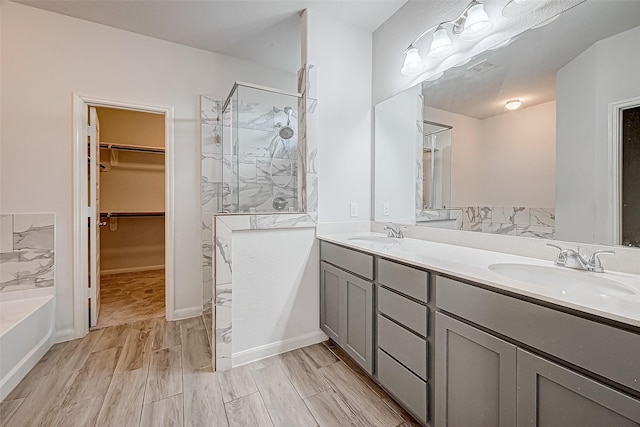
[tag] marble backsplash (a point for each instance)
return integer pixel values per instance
(26, 251)
(513, 221)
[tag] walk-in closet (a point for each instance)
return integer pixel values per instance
(131, 235)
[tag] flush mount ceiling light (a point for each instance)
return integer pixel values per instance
(472, 24)
(513, 104)
(517, 8)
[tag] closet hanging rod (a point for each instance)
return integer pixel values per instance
(140, 149)
(129, 214)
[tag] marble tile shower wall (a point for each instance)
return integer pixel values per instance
(26, 251)
(514, 221)
(262, 166)
(247, 179)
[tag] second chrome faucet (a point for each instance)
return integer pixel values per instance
(572, 259)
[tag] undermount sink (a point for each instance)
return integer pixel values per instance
(374, 239)
(564, 280)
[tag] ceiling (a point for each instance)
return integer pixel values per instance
(526, 68)
(262, 31)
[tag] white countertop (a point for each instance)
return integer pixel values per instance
(473, 265)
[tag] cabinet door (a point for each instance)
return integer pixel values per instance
(331, 290)
(358, 326)
(475, 377)
(550, 395)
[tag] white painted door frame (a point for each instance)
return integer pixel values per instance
(80, 202)
(615, 165)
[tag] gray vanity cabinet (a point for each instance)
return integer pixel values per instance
(483, 380)
(475, 382)
(550, 395)
(331, 297)
(346, 301)
(403, 335)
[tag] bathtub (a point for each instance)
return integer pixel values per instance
(26, 333)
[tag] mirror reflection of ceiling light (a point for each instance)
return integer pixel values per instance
(517, 8)
(513, 104)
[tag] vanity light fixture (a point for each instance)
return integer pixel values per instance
(517, 8)
(472, 24)
(412, 62)
(513, 104)
(441, 44)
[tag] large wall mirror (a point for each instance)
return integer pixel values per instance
(539, 137)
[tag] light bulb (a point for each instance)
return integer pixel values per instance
(477, 23)
(441, 44)
(412, 62)
(513, 104)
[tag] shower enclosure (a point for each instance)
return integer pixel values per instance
(436, 166)
(261, 162)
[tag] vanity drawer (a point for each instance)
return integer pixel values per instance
(406, 347)
(403, 310)
(403, 279)
(356, 262)
(594, 346)
(404, 385)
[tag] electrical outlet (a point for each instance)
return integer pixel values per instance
(354, 209)
(385, 209)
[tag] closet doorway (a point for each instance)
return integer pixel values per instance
(129, 256)
(124, 194)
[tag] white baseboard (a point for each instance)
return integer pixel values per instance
(257, 353)
(131, 269)
(65, 335)
(185, 313)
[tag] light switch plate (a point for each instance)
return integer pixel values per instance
(385, 209)
(354, 209)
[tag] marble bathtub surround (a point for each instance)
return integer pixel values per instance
(26, 251)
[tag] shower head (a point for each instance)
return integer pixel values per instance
(286, 132)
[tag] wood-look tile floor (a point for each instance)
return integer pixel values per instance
(158, 373)
(130, 297)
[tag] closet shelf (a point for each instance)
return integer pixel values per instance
(129, 147)
(129, 214)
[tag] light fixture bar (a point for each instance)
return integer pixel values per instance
(471, 24)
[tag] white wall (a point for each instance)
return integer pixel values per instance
(396, 146)
(606, 72)
(275, 289)
(342, 55)
(517, 157)
(45, 58)
(504, 160)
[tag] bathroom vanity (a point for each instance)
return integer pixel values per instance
(458, 344)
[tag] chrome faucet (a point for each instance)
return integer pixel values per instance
(572, 259)
(397, 233)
